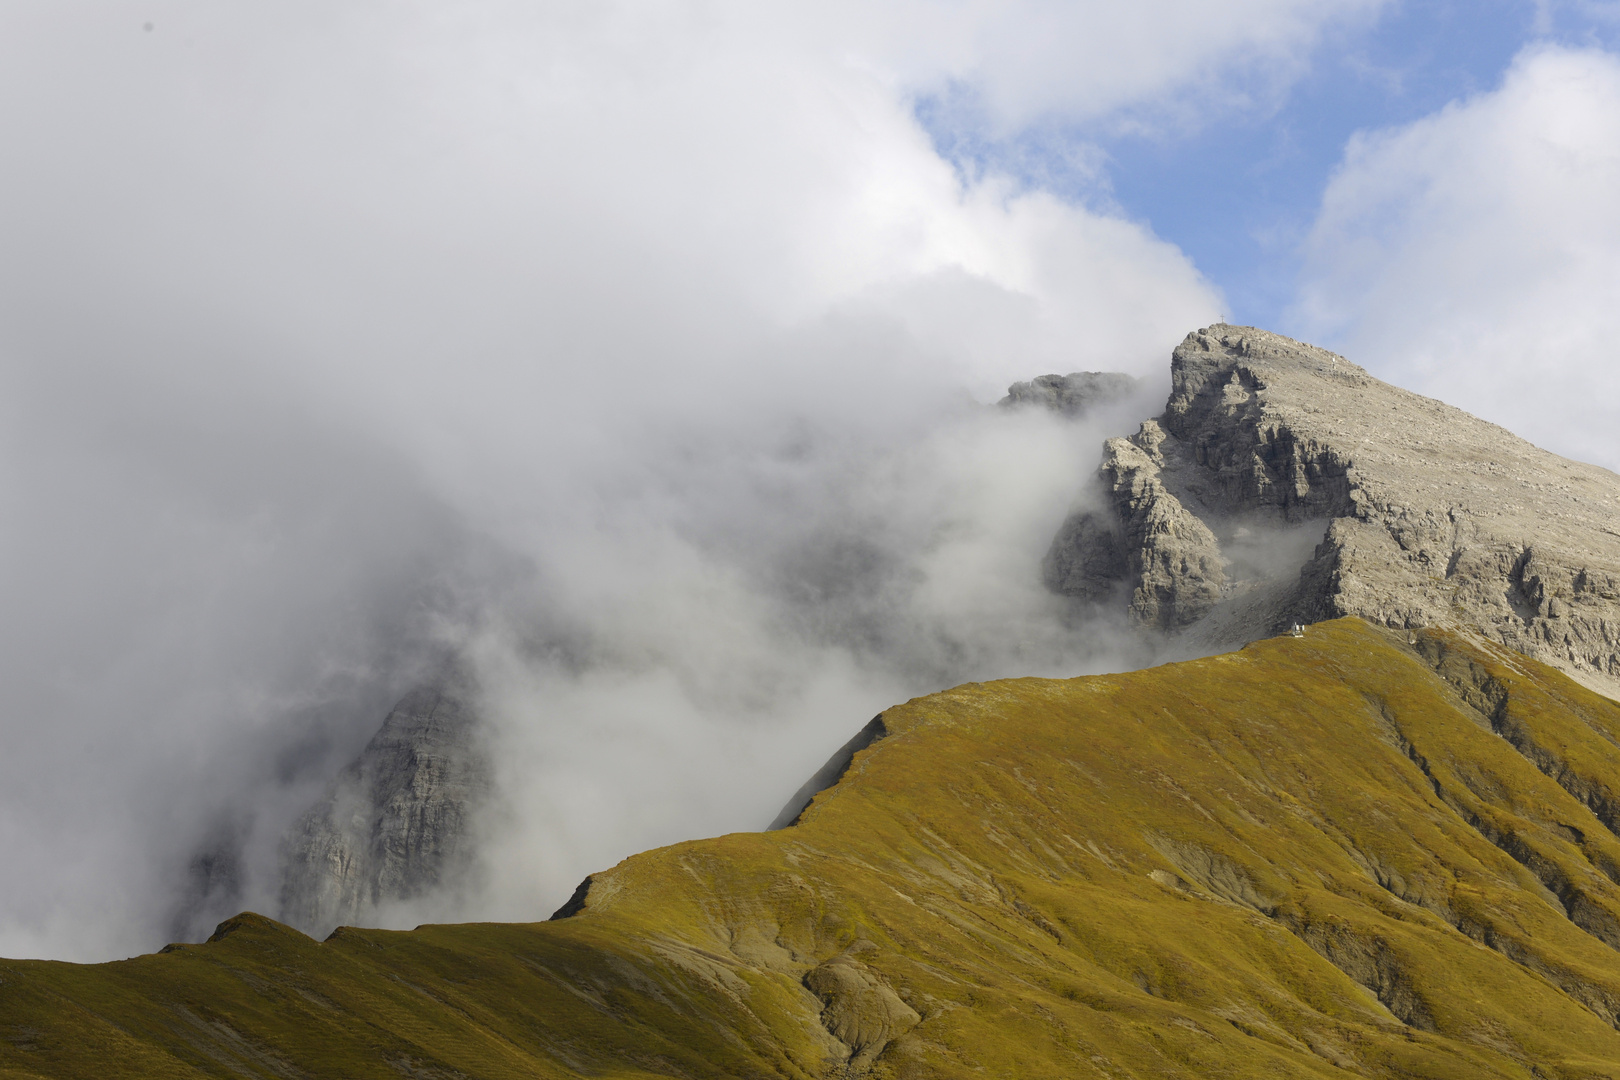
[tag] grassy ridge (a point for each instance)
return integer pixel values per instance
(1337, 852)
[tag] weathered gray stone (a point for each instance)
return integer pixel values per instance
(395, 825)
(1171, 554)
(1088, 558)
(1319, 491)
(1070, 395)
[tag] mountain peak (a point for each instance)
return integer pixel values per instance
(1283, 482)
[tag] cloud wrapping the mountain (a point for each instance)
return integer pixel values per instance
(1474, 255)
(626, 347)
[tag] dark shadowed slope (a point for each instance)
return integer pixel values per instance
(1318, 855)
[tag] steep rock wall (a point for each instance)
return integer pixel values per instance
(395, 825)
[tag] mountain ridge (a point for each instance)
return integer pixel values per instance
(1386, 844)
(1363, 850)
(1277, 485)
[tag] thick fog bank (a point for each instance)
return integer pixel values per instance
(638, 361)
(669, 627)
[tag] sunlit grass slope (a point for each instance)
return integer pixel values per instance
(1341, 852)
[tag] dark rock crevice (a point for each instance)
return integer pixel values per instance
(829, 774)
(1369, 960)
(575, 903)
(1562, 893)
(1488, 697)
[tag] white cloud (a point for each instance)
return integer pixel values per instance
(1033, 60)
(606, 337)
(1475, 255)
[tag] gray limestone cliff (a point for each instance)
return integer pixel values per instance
(394, 827)
(1284, 483)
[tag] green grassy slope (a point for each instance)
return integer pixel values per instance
(1332, 853)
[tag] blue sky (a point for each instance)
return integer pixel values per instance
(1238, 188)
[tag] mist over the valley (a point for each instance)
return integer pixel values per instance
(673, 610)
(638, 361)
(329, 356)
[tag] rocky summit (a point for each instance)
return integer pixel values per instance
(1283, 483)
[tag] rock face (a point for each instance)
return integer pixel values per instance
(1283, 482)
(1150, 539)
(394, 826)
(1070, 395)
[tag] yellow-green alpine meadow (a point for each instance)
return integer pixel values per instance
(1359, 851)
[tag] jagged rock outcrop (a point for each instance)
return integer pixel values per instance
(1145, 536)
(394, 826)
(1073, 394)
(1283, 482)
